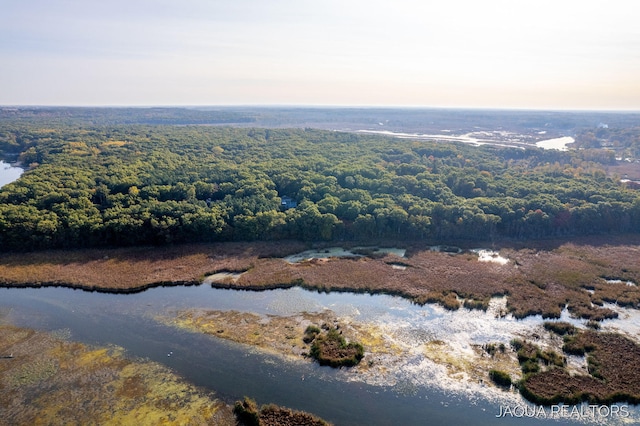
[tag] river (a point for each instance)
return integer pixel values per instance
(412, 395)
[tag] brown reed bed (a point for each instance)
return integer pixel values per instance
(248, 414)
(134, 268)
(536, 281)
(613, 372)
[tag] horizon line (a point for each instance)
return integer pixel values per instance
(323, 106)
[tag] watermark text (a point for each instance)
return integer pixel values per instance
(564, 411)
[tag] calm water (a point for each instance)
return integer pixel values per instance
(8, 173)
(559, 144)
(234, 370)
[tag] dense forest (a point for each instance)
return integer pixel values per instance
(129, 184)
(624, 141)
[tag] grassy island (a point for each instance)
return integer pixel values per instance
(330, 348)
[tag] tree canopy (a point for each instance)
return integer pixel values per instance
(130, 184)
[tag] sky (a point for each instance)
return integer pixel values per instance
(525, 54)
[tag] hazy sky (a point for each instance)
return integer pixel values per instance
(578, 54)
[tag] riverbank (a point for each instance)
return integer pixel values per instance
(53, 380)
(442, 341)
(580, 275)
(50, 378)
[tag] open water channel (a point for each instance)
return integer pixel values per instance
(413, 392)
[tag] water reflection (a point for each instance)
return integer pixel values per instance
(8, 173)
(408, 390)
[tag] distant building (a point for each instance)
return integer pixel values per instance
(288, 203)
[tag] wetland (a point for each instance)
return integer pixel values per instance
(229, 340)
(163, 269)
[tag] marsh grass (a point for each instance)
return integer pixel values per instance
(612, 362)
(311, 333)
(500, 378)
(530, 356)
(537, 282)
(560, 328)
(331, 348)
(481, 305)
(248, 414)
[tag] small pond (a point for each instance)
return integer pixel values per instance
(8, 173)
(415, 393)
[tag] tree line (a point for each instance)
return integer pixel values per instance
(134, 184)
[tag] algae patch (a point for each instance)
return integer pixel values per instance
(285, 335)
(275, 334)
(54, 381)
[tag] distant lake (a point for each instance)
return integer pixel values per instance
(9, 173)
(557, 143)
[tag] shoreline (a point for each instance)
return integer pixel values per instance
(533, 280)
(536, 281)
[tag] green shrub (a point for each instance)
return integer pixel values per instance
(247, 412)
(528, 352)
(560, 328)
(551, 358)
(516, 344)
(490, 348)
(332, 349)
(530, 366)
(575, 346)
(310, 333)
(500, 378)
